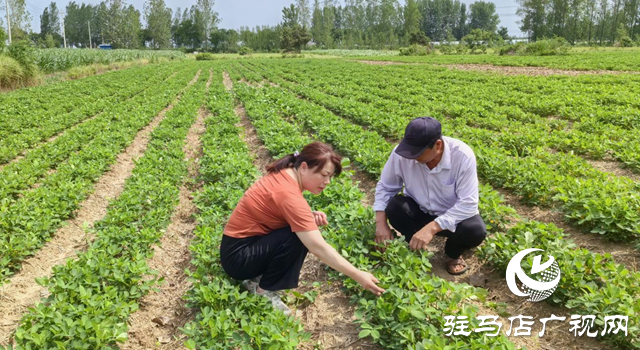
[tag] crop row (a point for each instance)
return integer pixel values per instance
(601, 285)
(21, 128)
(93, 296)
(20, 175)
(228, 316)
(411, 312)
(524, 109)
(589, 198)
(28, 222)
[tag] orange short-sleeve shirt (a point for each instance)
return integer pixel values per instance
(273, 202)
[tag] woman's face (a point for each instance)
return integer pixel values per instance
(315, 181)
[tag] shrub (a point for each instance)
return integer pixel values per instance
(11, 74)
(479, 39)
(453, 49)
(545, 47)
(416, 50)
(22, 52)
(245, 51)
(205, 56)
(419, 38)
(548, 47)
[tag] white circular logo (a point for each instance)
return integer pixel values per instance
(536, 289)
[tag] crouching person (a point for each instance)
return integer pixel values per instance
(440, 182)
(272, 228)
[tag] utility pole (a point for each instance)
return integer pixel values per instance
(64, 36)
(8, 21)
(89, 24)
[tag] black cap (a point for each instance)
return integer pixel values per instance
(419, 134)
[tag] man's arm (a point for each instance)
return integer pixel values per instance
(389, 185)
(467, 192)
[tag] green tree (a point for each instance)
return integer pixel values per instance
(304, 12)
(533, 18)
(316, 24)
(483, 16)
(411, 19)
(158, 18)
(328, 23)
(20, 19)
(206, 18)
(293, 36)
(50, 21)
(504, 33)
(77, 21)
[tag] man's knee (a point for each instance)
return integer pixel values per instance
(397, 206)
(474, 229)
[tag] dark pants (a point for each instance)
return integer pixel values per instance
(277, 256)
(405, 216)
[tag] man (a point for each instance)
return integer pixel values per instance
(440, 182)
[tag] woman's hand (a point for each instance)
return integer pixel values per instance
(368, 282)
(320, 217)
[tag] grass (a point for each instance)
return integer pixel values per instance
(12, 76)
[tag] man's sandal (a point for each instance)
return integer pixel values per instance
(451, 263)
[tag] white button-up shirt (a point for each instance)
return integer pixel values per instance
(449, 191)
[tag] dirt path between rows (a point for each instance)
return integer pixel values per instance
(162, 313)
(21, 291)
(330, 319)
(505, 70)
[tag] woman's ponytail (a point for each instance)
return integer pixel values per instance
(287, 161)
(315, 154)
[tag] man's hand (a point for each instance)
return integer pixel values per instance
(320, 217)
(383, 233)
(422, 238)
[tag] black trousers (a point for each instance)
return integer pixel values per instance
(277, 256)
(405, 216)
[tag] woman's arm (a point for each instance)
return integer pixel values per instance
(319, 247)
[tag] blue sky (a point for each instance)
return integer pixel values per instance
(236, 13)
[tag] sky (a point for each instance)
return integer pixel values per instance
(237, 13)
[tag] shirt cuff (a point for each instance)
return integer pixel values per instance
(446, 223)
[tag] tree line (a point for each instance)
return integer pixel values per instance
(350, 24)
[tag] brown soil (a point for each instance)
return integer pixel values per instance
(21, 291)
(387, 63)
(615, 168)
(531, 71)
(507, 70)
(162, 313)
(330, 318)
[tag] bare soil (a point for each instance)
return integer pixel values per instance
(22, 291)
(507, 70)
(615, 168)
(156, 324)
(531, 71)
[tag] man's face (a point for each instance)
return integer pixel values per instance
(430, 153)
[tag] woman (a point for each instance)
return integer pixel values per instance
(271, 230)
